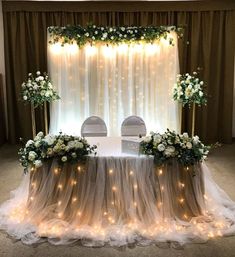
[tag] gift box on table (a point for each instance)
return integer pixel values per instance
(131, 145)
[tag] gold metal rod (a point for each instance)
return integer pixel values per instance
(45, 118)
(193, 119)
(33, 120)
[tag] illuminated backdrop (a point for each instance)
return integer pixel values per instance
(114, 81)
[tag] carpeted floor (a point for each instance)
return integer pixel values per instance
(222, 164)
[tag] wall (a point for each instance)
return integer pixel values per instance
(234, 103)
(2, 64)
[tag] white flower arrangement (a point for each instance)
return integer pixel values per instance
(114, 35)
(189, 89)
(38, 89)
(185, 149)
(63, 147)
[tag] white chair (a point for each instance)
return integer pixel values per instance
(94, 127)
(133, 126)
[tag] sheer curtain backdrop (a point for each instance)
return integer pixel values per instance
(114, 82)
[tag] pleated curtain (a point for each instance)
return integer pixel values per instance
(208, 43)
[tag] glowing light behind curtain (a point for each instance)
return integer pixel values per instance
(113, 82)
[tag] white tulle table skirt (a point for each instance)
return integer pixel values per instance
(117, 201)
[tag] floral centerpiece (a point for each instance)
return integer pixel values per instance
(63, 147)
(185, 149)
(189, 89)
(38, 89)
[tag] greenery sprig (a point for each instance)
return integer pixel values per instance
(115, 35)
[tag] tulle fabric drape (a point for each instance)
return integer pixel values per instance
(114, 82)
(117, 201)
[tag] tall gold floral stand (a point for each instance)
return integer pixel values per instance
(33, 120)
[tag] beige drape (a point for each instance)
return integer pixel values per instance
(2, 111)
(209, 28)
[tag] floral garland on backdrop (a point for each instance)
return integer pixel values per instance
(189, 89)
(65, 148)
(188, 151)
(115, 35)
(38, 89)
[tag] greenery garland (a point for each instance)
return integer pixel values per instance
(113, 35)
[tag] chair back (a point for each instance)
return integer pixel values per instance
(94, 126)
(133, 126)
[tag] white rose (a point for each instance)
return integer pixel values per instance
(185, 135)
(74, 155)
(196, 139)
(23, 85)
(47, 94)
(201, 83)
(38, 163)
(41, 78)
(40, 134)
(25, 97)
(105, 35)
(200, 93)
(170, 150)
(64, 159)
(37, 144)
(161, 147)
(157, 138)
(37, 138)
(38, 73)
(29, 143)
(189, 145)
(49, 139)
(32, 155)
(147, 139)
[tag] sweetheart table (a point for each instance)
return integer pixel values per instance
(117, 199)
